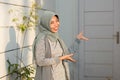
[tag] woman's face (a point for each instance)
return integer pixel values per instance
(54, 24)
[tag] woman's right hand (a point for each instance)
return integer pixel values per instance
(68, 57)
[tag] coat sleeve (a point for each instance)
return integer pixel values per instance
(74, 48)
(41, 60)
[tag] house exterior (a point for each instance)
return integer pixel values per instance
(99, 20)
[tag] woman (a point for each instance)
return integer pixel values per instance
(50, 51)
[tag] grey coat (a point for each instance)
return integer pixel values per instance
(44, 72)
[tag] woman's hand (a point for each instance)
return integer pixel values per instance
(68, 57)
(80, 36)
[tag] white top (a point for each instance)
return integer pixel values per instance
(58, 69)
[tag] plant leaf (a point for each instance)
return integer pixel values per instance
(14, 19)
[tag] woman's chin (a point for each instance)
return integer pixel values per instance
(55, 31)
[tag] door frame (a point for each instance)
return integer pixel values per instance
(116, 67)
(81, 46)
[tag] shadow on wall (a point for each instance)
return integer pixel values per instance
(12, 50)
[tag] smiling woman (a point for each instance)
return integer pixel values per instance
(50, 52)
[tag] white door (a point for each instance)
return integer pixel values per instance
(100, 56)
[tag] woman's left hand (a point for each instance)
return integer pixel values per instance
(80, 36)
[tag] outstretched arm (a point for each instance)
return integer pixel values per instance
(75, 45)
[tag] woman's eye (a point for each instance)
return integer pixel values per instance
(52, 22)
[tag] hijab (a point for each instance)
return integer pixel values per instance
(45, 25)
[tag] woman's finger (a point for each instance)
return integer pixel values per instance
(71, 59)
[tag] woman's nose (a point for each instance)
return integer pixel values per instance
(57, 24)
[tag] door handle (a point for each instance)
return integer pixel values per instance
(117, 37)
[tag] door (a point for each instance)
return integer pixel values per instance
(100, 56)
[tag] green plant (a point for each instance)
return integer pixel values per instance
(26, 20)
(22, 73)
(23, 22)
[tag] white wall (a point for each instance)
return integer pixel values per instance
(11, 38)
